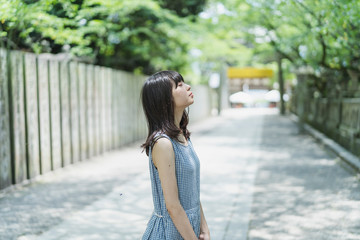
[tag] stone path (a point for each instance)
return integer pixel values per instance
(301, 190)
(260, 179)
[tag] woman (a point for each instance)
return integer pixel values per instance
(174, 165)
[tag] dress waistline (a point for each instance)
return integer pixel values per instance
(191, 210)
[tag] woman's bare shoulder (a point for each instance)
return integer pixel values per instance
(162, 144)
(163, 152)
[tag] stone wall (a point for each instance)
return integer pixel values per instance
(336, 116)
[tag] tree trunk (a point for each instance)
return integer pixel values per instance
(281, 85)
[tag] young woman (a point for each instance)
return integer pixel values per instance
(174, 165)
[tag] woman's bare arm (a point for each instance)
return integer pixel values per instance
(164, 159)
(204, 229)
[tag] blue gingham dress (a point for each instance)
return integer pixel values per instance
(187, 169)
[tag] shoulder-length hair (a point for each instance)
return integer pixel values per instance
(158, 106)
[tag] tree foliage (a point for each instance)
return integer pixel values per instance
(315, 33)
(184, 8)
(131, 35)
(319, 34)
(151, 35)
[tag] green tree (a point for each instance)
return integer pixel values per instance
(321, 35)
(184, 8)
(131, 35)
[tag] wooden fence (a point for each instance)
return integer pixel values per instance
(57, 112)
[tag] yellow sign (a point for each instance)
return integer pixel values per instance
(249, 73)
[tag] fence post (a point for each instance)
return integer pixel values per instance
(90, 109)
(5, 163)
(74, 112)
(44, 118)
(55, 125)
(82, 112)
(97, 108)
(108, 109)
(17, 115)
(31, 115)
(65, 116)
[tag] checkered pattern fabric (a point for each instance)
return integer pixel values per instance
(187, 169)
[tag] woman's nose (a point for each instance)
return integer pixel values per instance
(188, 87)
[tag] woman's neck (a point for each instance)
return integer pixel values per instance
(177, 116)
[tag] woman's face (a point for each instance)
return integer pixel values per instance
(182, 95)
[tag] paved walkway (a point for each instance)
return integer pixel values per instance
(301, 189)
(260, 179)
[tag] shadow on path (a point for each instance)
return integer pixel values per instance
(301, 192)
(260, 180)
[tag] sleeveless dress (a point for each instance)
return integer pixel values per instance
(187, 169)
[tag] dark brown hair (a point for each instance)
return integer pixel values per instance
(158, 106)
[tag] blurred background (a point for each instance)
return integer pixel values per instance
(63, 59)
(71, 71)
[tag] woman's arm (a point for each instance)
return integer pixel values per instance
(164, 159)
(204, 229)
